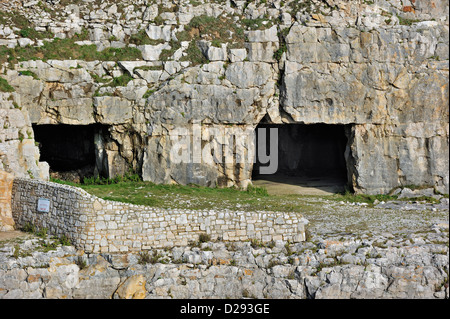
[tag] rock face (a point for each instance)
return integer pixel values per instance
(19, 154)
(379, 69)
(6, 218)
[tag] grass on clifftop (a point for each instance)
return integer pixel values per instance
(63, 49)
(131, 189)
(191, 196)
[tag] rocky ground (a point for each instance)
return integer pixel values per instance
(352, 251)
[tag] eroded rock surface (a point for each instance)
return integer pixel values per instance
(379, 68)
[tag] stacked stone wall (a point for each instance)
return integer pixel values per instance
(97, 225)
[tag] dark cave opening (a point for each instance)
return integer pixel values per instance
(68, 149)
(309, 155)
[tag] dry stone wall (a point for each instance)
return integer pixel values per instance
(97, 225)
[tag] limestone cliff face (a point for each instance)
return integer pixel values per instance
(19, 154)
(379, 68)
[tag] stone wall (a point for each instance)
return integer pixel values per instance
(97, 225)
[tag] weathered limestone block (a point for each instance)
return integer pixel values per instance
(323, 84)
(388, 156)
(201, 154)
(160, 168)
(152, 52)
(261, 51)
(184, 102)
(156, 32)
(268, 35)
(64, 73)
(19, 154)
(151, 12)
(6, 219)
(248, 74)
(132, 288)
(73, 111)
(112, 110)
(237, 55)
(213, 53)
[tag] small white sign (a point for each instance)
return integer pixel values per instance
(43, 205)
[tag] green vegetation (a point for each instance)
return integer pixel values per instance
(203, 238)
(15, 19)
(149, 68)
(146, 258)
(256, 24)
(29, 73)
(131, 190)
(121, 80)
(370, 199)
(279, 52)
(46, 244)
(33, 34)
(64, 49)
(148, 93)
(142, 38)
(194, 54)
(217, 30)
(405, 21)
(19, 21)
(4, 86)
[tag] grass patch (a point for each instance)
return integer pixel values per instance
(405, 21)
(121, 80)
(194, 54)
(132, 190)
(148, 93)
(31, 33)
(46, 245)
(256, 24)
(65, 49)
(141, 38)
(362, 198)
(370, 199)
(145, 257)
(29, 73)
(4, 86)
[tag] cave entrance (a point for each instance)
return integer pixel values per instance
(311, 158)
(68, 149)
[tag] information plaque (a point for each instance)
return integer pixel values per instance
(43, 205)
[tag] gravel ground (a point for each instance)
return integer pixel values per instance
(356, 220)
